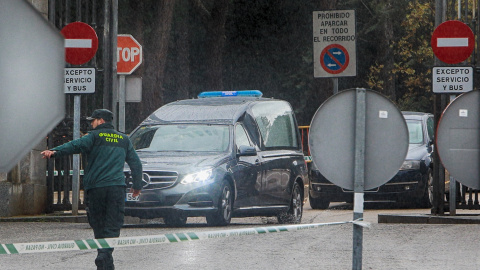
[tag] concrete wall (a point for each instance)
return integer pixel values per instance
(41, 6)
(23, 190)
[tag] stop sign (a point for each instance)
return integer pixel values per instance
(81, 43)
(129, 54)
(453, 42)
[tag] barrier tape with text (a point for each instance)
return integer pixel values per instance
(70, 245)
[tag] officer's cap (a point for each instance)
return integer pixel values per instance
(101, 113)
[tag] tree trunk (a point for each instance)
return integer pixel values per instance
(387, 75)
(214, 21)
(134, 110)
(183, 58)
(155, 50)
(322, 88)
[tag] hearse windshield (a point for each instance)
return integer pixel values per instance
(182, 138)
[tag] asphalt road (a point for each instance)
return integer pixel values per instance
(385, 246)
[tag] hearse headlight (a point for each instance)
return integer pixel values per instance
(410, 165)
(198, 177)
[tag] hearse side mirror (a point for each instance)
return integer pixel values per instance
(246, 150)
(431, 141)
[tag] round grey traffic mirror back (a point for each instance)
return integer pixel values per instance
(458, 139)
(332, 139)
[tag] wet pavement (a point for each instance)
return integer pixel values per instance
(385, 245)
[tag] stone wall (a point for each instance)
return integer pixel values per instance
(23, 190)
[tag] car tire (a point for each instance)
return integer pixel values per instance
(223, 215)
(175, 220)
(318, 203)
(426, 199)
(295, 211)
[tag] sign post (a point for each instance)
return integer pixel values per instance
(452, 42)
(359, 177)
(347, 139)
(129, 58)
(81, 44)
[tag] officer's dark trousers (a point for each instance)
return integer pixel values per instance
(106, 211)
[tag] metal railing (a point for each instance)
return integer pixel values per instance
(468, 199)
(59, 171)
(59, 185)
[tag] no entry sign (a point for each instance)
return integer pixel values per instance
(81, 43)
(129, 54)
(453, 42)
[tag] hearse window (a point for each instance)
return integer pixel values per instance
(430, 128)
(241, 137)
(276, 123)
(183, 138)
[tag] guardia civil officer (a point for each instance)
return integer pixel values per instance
(107, 151)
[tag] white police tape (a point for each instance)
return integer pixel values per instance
(70, 245)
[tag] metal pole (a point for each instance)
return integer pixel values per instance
(121, 104)
(76, 135)
(107, 86)
(453, 186)
(474, 28)
(113, 51)
(459, 9)
(50, 162)
(478, 34)
(335, 85)
(76, 157)
(359, 181)
(466, 11)
(438, 181)
(51, 11)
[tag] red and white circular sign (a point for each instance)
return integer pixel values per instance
(453, 42)
(81, 43)
(129, 54)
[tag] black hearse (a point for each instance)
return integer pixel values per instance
(221, 155)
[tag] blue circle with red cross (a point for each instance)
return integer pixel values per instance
(334, 58)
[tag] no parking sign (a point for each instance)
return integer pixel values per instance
(334, 43)
(334, 59)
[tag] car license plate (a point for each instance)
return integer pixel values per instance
(130, 198)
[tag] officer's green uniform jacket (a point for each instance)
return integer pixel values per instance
(107, 150)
